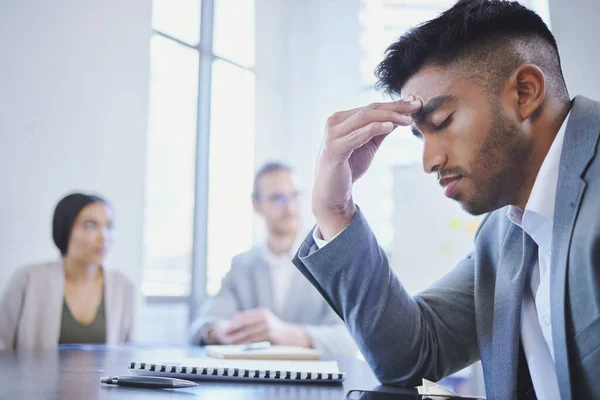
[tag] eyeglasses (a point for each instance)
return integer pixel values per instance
(283, 200)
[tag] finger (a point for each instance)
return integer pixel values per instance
(258, 337)
(244, 318)
(402, 106)
(234, 329)
(396, 106)
(249, 331)
(365, 117)
(236, 322)
(246, 321)
(227, 339)
(363, 135)
(254, 315)
(377, 140)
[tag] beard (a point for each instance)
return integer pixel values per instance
(287, 225)
(497, 171)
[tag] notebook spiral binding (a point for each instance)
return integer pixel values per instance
(234, 373)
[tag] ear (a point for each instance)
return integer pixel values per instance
(531, 90)
(256, 206)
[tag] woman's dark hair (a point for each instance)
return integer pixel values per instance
(66, 213)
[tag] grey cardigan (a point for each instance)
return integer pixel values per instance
(248, 285)
(31, 307)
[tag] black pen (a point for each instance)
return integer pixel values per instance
(150, 382)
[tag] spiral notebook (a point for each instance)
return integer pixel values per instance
(244, 370)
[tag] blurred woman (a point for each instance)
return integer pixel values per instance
(74, 300)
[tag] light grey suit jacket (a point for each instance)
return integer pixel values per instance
(473, 312)
(248, 285)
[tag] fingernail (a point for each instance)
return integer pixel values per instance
(410, 98)
(388, 126)
(415, 103)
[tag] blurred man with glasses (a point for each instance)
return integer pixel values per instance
(264, 297)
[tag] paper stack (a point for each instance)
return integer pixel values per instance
(433, 389)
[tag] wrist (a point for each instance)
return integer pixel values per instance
(332, 221)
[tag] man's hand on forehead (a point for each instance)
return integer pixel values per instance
(406, 105)
(415, 105)
(352, 138)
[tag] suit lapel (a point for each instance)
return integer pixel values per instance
(263, 282)
(581, 137)
(518, 255)
(298, 297)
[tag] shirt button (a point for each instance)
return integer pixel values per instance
(546, 320)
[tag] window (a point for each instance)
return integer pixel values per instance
(202, 58)
(170, 166)
(232, 168)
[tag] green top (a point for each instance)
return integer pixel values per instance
(72, 331)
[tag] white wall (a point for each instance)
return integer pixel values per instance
(577, 31)
(306, 69)
(73, 111)
(271, 79)
(270, 90)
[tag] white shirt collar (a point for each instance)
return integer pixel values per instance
(541, 200)
(277, 260)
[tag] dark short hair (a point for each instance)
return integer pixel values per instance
(491, 37)
(265, 169)
(66, 213)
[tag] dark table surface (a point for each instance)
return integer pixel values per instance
(74, 373)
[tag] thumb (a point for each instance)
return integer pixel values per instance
(377, 140)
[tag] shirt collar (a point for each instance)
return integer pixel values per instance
(276, 260)
(543, 194)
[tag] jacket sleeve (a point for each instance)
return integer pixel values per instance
(332, 339)
(11, 305)
(129, 316)
(220, 307)
(403, 338)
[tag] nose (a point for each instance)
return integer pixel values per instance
(289, 202)
(104, 236)
(434, 155)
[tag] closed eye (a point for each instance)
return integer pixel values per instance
(443, 124)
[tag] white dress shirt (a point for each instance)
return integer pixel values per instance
(537, 220)
(281, 268)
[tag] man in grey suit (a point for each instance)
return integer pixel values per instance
(264, 297)
(484, 91)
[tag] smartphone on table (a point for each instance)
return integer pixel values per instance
(370, 395)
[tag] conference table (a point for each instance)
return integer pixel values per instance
(73, 372)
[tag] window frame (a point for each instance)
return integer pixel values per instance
(206, 57)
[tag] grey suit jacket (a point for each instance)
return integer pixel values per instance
(473, 312)
(248, 285)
